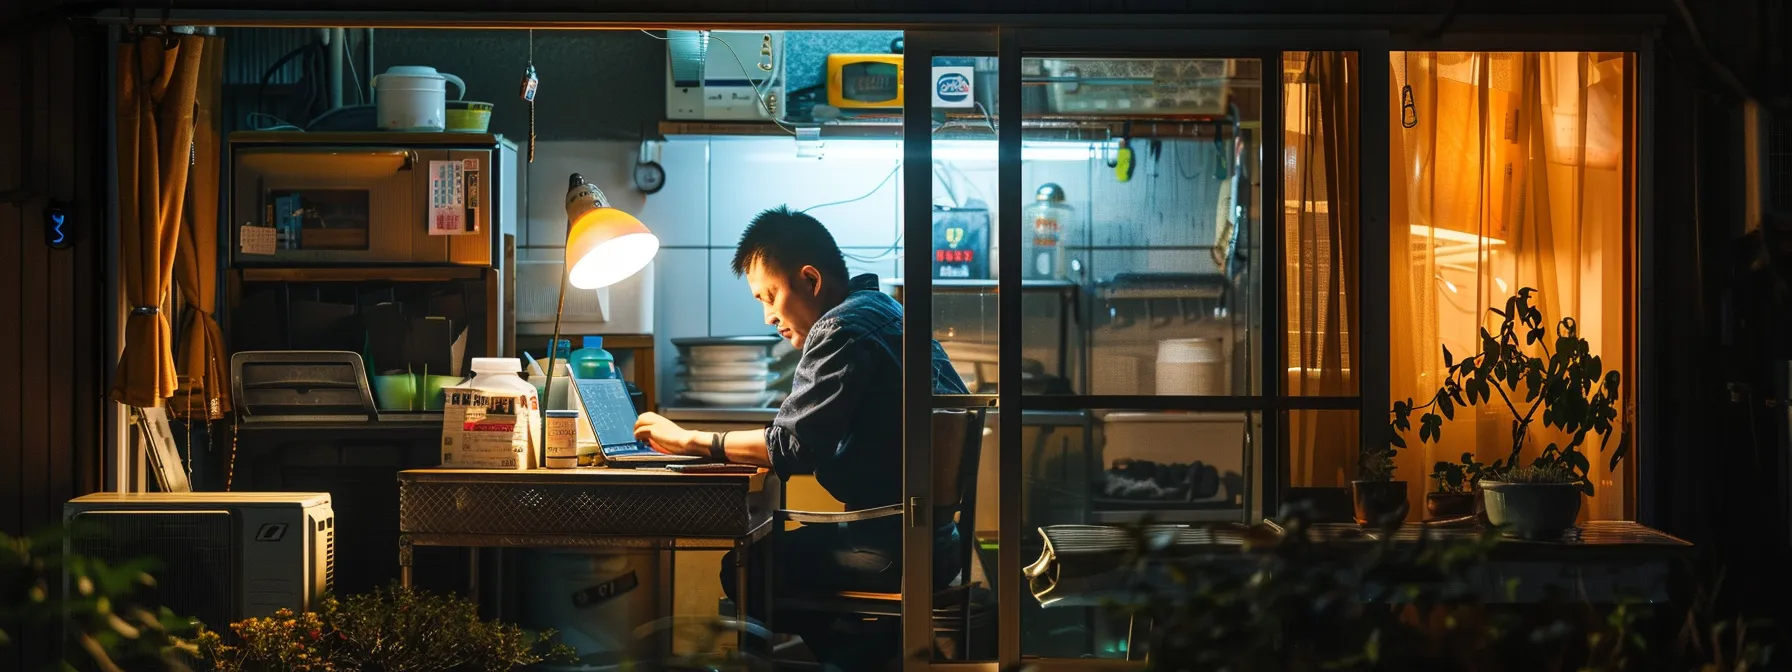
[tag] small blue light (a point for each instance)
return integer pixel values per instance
(57, 218)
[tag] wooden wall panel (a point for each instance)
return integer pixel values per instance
(52, 368)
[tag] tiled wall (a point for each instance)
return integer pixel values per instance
(715, 186)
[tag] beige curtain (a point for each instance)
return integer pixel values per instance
(203, 384)
(1507, 171)
(158, 82)
(1323, 218)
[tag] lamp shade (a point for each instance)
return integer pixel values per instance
(603, 245)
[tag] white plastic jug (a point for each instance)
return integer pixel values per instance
(414, 97)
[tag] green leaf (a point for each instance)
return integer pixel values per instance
(1449, 360)
(1576, 460)
(1396, 439)
(1445, 407)
(1622, 450)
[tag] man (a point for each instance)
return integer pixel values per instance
(842, 422)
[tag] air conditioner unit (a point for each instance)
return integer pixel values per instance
(720, 75)
(623, 308)
(224, 556)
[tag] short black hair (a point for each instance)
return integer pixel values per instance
(787, 241)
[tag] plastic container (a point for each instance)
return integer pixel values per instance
(1191, 366)
(593, 362)
(468, 117)
(496, 374)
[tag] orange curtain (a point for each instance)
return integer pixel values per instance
(1507, 174)
(158, 83)
(1323, 220)
(204, 389)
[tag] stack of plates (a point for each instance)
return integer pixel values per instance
(728, 371)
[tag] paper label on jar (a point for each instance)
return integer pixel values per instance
(561, 437)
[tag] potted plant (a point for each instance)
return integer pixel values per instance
(1456, 491)
(1535, 502)
(1564, 381)
(1375, 496)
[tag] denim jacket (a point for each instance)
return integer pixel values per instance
(843, 418)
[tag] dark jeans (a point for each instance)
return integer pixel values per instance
(828, 558)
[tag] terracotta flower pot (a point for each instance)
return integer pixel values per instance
(1378, 501)
(1532, 510)
(1450, 504)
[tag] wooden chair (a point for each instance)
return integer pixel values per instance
(960, 608)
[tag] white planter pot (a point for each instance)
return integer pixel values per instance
(1540, 511)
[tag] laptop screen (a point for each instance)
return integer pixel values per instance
(608, 409)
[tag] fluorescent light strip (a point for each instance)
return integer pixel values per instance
(957, 151)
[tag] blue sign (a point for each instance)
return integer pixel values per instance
(953, 87)
(58, 233)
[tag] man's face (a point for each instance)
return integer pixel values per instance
(792, 299)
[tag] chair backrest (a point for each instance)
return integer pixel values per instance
(957, 453)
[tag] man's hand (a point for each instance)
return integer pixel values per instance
(667, 437)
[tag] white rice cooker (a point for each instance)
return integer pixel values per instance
(414, 97)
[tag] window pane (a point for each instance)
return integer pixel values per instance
(1119, 467)
(1322, 221)
(1141, 225)
(1508, 171)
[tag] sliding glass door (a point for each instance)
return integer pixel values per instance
(1146, 252)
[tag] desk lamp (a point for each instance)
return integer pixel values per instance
(604, 246)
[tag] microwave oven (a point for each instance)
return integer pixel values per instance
(865, 81)
(377, 199)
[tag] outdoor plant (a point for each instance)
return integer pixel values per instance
(1565, 386)
(108, 625)
(389, 630)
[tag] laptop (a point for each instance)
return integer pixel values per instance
(612, 417)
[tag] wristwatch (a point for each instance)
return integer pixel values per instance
(718, 451)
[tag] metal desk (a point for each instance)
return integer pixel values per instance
(587, 509)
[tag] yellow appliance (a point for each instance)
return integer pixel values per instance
(865, 81)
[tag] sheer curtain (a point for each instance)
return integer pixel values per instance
(1508, 170)
(1321, 236)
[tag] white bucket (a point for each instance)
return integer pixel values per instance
(414, 98)
(1192, 366)
(594, 601)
